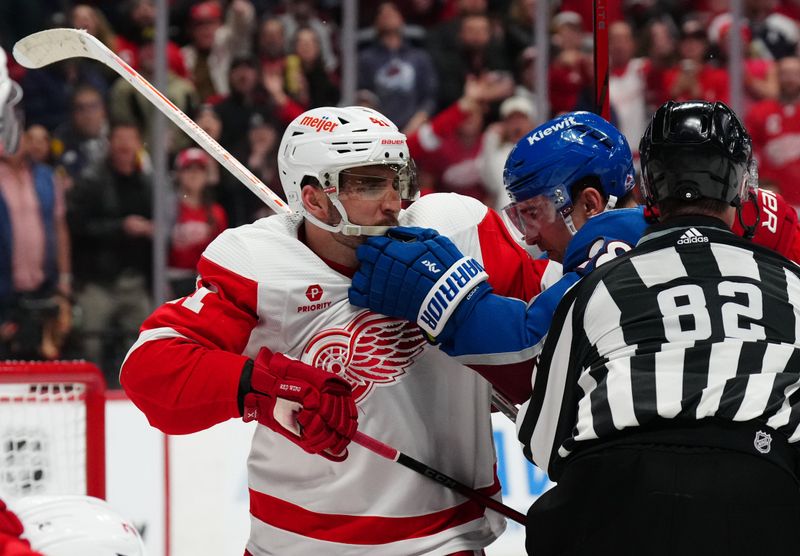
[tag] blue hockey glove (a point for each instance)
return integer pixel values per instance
(417, 275)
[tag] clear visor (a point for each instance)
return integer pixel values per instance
(749, 188)
(528, 217)
(373, 181)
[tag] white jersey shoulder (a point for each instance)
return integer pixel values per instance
(447, 213)
(452, 215)
(240, 249)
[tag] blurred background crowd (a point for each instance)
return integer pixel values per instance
(457, 76)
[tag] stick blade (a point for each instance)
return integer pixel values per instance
(53, 45)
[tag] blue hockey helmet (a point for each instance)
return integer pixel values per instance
(553, 157)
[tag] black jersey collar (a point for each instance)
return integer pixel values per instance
(681, 222)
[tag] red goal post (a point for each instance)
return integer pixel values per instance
(52, 428)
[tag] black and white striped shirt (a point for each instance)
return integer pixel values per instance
(693, 323)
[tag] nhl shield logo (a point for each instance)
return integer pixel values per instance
(762, 442)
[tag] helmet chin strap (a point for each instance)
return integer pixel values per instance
(344, 226)
(750, 188)
(566, 215)
(749, 230)
(570, 224)
(356, 230)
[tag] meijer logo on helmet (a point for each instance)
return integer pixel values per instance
(539, 135)
(320, 124)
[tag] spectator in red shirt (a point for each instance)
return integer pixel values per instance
(271, 45)
(217, 38)
(83, 16)
(454, 166)
(662, 52)
(477, 53)
(760, 71)
(571, 69)
(778, 33)
(141, 18)
(774, 126)
(198, 220)
(693, 78)
(627, 83)
(310, 84)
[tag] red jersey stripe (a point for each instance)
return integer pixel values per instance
(361, 530)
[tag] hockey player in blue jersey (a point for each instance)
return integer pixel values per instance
(561, 177)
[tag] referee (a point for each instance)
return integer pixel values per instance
(666, 402)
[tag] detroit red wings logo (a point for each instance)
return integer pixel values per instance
(371, 350)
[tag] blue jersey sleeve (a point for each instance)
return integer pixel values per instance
(500, 333)
(507, 330)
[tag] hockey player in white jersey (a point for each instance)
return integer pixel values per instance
(270, 316)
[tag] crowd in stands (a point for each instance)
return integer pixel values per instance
(457, 76)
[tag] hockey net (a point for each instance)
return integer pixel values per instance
(52, 428)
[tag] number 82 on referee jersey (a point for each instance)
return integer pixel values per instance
(688, 300)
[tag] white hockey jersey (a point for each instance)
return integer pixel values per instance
(261, 286)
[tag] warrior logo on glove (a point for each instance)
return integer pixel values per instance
(420, 276)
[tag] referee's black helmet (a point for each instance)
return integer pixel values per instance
(694, 150)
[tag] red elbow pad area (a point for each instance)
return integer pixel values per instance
(777, 228)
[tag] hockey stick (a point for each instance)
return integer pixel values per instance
(602, 105)
(386, 451)
(505, 405)
(54, 45)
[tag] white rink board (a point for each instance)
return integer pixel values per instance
(208, 488)
(208, 496)
(522, 484)
(135, 472)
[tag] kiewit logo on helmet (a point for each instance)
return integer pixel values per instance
(564, 124)
(320, 124)
(692, 236)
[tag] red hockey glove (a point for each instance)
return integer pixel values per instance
(10, 531)
(13, 546)
(9, 522)
(311, 407)
(777, 227)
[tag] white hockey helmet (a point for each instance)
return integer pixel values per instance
(322, 142)
(76, 526)
(10, 110)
